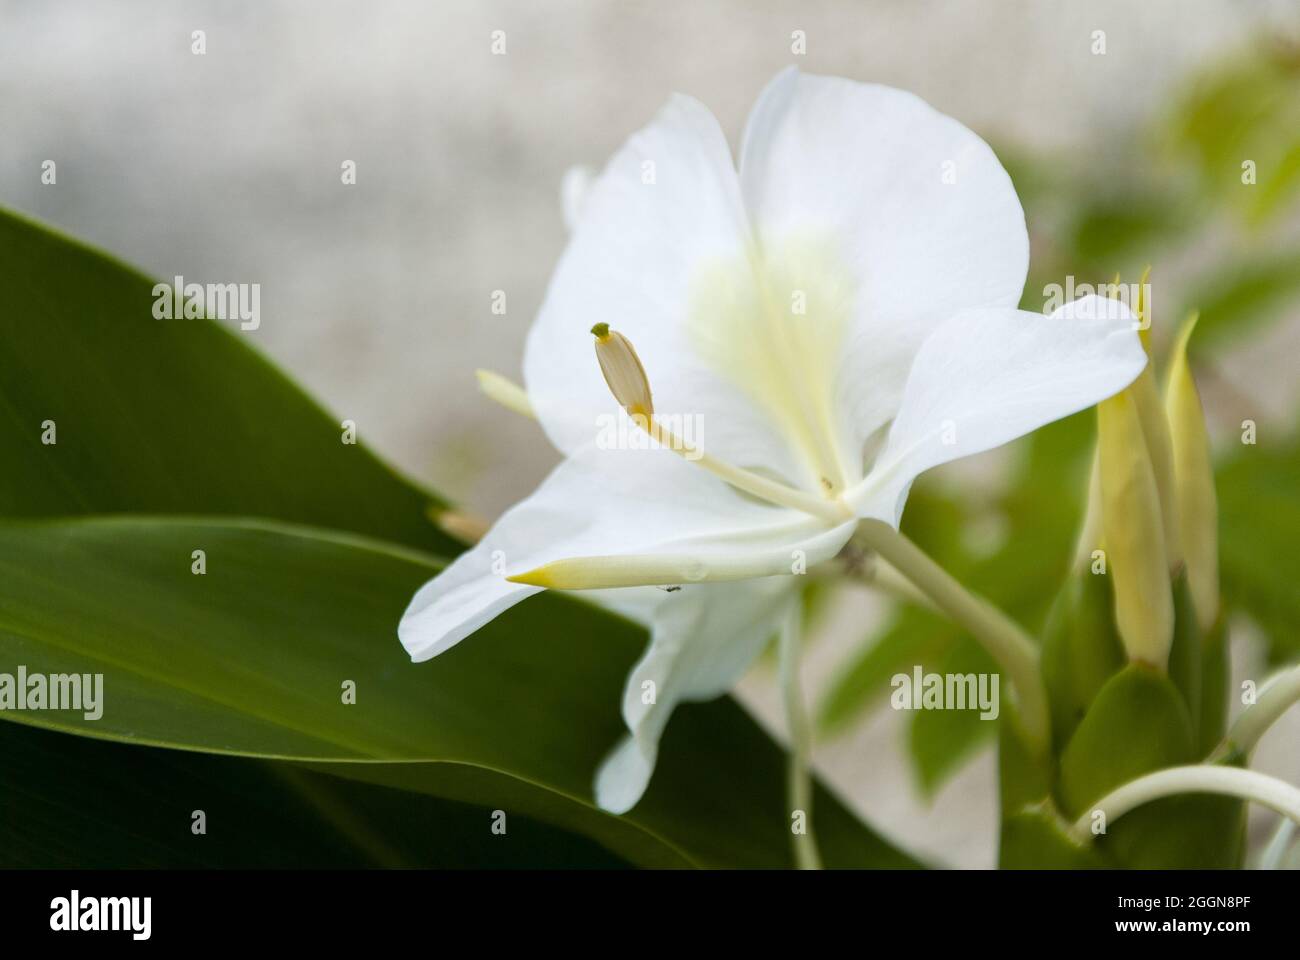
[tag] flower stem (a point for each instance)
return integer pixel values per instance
(1012, 650)
(883, 578)
(799, 782)
(1201, 778)
(1274, 700)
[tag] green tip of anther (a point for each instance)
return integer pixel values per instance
(601, 330)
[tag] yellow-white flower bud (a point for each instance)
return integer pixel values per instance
(1155, 429)
(1198, 507)
(1132, 532)
(623, 372)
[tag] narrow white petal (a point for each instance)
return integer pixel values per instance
(703, 639)
(989, 376)
(782, 550)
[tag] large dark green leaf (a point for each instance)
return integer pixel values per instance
(164, 416)
(77, 803)
(251, 657)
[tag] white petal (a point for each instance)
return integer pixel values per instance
(651, 231)
(703, 639)
(989, 376)
(770, 552)
(613, 504)
(864, 170)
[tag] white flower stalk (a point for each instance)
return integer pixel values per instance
(800, 789)
(1203, 778)
(1276, 697)
(837, 314)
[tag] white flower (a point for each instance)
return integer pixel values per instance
(837, 316)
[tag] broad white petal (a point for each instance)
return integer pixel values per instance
(610, 504)
(911, 217)
(646, 247)
(989, 376)
(703, 639)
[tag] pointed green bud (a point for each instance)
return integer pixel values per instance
(1198, 507)
(1090, 531)
(623, 371)
(1131, 530)
(1081, 648)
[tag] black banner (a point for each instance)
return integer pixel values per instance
(333, 909)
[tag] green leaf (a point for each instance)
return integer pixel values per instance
(1081, 650)
(1243, 297)
(251, 658)
(165, 416)
(1215, 679)
(1024, 780)
(1113, 226)
(1247, 109)
(941, 740)
(1137, 723)
(77, 803)
(1185, 654)
(1259, 526)
(914, 637)
(1036, 839)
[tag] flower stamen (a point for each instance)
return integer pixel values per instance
(630, 386)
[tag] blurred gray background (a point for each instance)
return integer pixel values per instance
(226, 167)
